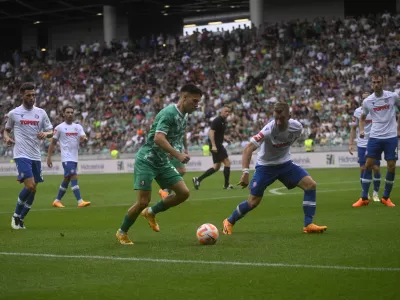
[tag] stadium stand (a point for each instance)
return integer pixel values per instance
(320, 67)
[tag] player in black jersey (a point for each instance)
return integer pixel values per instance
(219, 154)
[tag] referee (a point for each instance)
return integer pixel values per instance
(216, 138)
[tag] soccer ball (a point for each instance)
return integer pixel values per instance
(207, 234)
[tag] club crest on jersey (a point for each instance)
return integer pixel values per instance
(386, 101)
(290, 135)
(22, 116)
(36, 116)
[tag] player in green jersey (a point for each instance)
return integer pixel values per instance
(153, 162)
(181, 167)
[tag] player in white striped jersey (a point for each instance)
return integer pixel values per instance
(381, 105)
(70, 135)
(30, 125)
(362, 148)
(274, 163)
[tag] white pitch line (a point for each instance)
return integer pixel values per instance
(276, 193)
(201, 262)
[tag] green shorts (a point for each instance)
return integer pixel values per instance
(176, 163)
(144, 173)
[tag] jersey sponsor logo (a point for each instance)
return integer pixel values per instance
(383, 107)
(368, 121)
(29, 122)
(71, 134)
(281, 145)
(258, 137)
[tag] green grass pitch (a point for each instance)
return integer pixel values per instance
(267, 257)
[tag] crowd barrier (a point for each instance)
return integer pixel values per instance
(199, 163)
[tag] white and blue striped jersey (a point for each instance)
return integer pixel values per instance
(26, 124)
(383, 114)
(274, 144)
(361, 142)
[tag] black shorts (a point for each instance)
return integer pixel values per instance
(220, 155)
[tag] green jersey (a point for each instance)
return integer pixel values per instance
(172, 123)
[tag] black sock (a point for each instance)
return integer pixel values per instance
(207, 173)
(227, 172)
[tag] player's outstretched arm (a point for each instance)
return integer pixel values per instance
(161, 141)
(246, 159)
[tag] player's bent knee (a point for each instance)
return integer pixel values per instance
(144, 199)
(31, 187)
(183, 193)
(217, 166)
(307, 184)
(391, 166)
(254, 201)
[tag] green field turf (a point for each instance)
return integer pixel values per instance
(267, 257)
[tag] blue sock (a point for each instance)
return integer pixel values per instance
(62, 190)
(388, 185)
(309, 206)
(23, 195)
(366, 182)
(377, 181)
(361, 177)
(27, 206)
(241, 210)
(76, 190)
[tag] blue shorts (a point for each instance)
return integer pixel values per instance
(69, 168)
(28, 168)
(362, 159)
(375, 148)
(288, 173)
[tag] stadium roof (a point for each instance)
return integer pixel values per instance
(13, 12)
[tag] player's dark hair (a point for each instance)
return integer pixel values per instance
(227, 106)
(27, 86)
(375, 73)
(191, 89)
(282, 106)
(66, 107)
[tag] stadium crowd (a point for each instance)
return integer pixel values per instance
(320, 67)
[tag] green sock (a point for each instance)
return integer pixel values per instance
(127, 223)
(159, 207)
